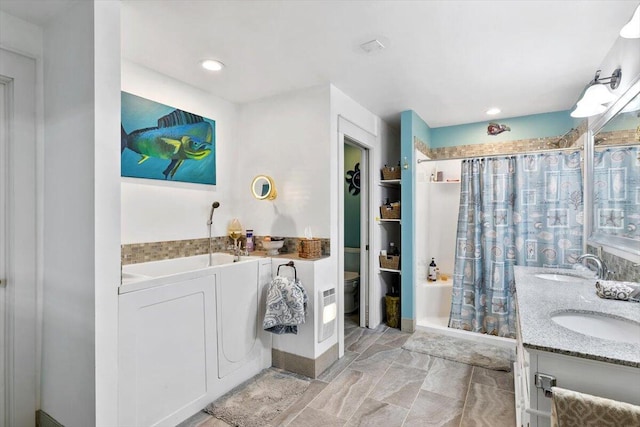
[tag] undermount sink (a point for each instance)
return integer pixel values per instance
(599, 325)
(559, 277)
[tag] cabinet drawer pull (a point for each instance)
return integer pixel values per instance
(545, 382)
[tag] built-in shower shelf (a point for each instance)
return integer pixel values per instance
(444, 182)
(390, 270)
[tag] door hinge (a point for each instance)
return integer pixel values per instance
(366, 247)
(3, 283)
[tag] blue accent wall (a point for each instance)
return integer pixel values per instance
(524, 127)
(411, 125)
(352, 156)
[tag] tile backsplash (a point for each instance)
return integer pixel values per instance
(623, 269)
(134, 253)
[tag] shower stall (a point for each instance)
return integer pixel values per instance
(437, 203)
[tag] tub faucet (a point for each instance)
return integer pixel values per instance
(209, 223)
(602, 271)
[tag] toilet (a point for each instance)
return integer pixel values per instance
(351, 294)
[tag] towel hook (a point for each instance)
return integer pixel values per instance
(289, 264)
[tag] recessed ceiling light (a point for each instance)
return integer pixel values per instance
(212, 65)
(493, 111)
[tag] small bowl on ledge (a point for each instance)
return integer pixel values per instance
(272, 246)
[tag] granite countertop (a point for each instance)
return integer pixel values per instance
(538, 299)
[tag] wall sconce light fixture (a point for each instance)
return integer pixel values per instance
(597, 95)
(632, 29)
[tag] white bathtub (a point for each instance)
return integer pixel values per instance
(433, 307)
(188, 333)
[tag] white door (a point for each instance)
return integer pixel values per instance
(17, 240)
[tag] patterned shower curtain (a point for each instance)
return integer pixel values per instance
(519, 210)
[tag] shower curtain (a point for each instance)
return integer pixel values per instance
(518, 210)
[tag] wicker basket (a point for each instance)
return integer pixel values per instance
(392, 172)
(310, 248)
(390, 261)
(390, 211)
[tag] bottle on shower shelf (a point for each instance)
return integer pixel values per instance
(433, 271)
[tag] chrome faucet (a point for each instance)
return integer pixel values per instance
(209, 223)
(602, 271)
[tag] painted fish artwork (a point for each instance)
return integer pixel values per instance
(162, 142)
(496, 129)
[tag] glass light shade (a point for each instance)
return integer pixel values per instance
(632, 29)
(597, 94)
(235, 229)
(588, 110)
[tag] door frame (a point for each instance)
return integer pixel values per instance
(367, 141)
(363, 310)
(18, 76)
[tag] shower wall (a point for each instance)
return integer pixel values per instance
(437, 206)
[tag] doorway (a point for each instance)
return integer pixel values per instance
(18, 313)
(356, 231)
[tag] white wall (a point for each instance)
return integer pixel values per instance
(25, 38)
(81, 201)
(437, 208)
(287, 138)
(154, 210)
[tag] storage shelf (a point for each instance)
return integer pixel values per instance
(390, 182)
(390, 270)
(382, 220)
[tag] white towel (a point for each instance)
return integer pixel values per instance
(573, 409)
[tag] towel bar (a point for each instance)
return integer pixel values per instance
(289, 264)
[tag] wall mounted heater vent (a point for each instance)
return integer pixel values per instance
(328, 309)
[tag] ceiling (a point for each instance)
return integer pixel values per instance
(448, 60)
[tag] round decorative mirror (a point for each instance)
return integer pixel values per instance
(263, 188)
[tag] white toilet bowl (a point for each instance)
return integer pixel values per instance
(351, 294)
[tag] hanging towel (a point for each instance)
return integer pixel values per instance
(624, 291)
(286, 306)
(573, 409)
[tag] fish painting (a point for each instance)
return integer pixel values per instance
(179, 147)
(497, 129)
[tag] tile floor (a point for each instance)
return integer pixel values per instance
(377, 383)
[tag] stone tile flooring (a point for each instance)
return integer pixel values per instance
(377, 383)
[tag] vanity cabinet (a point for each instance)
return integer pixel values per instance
(602, 379)
(608, 368)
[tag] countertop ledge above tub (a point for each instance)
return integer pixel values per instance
(538, 299)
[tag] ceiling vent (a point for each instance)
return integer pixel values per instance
(372, 46)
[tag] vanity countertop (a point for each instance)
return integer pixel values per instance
(537, 299)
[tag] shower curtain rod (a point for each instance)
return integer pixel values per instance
(504, 155)
(600, 147)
